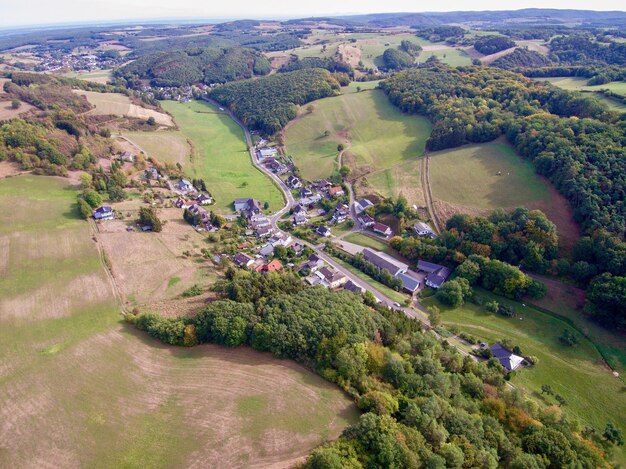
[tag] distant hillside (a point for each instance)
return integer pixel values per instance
(185, 67)
(522, 58)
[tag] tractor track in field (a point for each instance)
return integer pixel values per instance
(428, 194)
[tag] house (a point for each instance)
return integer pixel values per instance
(323, 184)
(243, 260)
(313, 263)
(323, 231)
(267, 152)
(297, 248)
(272, 266)
(341, 213)
(336, 191)
(361, 205)
(353, 287)
(182, 203)
(126, 156)
(204, 199)
(279, 238)
(310, 201)
(259, 221)
(437, 274)
(247, 207)
(293, 182)
(423, 229)
(103, 213)
(299, 209)
(305, 192)
(267, 250)
(366, 220)
(300, 218)
(331, 278)
(385, 261)
(509, 360)
(185, 186)
(263, 231)
(152, 173)
(382, 229)
(409, 283)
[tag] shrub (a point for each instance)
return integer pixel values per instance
(194, 290)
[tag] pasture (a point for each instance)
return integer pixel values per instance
(576, 373)
(376, 135)
(167, 146)
(96, 76)
(580, 84)
(117, 104)
(403, 179)
(449, 55)
(80, 388)
(220, 156)
(367, 241)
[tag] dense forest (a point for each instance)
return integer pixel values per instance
(582, 49)
(522, 58)
(423, 403)
(441, 33)
(328, 63)
(583, 157)
(269, 103)
(189, 66)
(491, 44)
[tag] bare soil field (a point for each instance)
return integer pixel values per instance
(350, 54)
(7, 111)
(120, 105)
(9, 168)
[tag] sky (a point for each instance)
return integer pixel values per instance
(35, 12)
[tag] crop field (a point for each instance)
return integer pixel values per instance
(80, 388)
(167, 146)
(576, 373)
(119, 105)
(489, 176)
(220, 156)
(377, 136)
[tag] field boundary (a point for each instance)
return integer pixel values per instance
(428, 194)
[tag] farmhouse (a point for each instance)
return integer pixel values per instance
(509, 360)
(331, 278)
(243, 260)
(382, 229)
(385, 261)
(336, 191)
(423, 229)
(185, 186)
(366, 220)
(247, 207)
(361, 205)
(323, 231)
(203, 199)
(437, 274)
(103, 213)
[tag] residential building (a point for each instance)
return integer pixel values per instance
(266, 152)
(313, 263)
(293, 182)
(305, 192)
(152, 173)
(509, 360)
(272, 266)
(323, 231)
(385, 261)
(267, 250)
(323, 184)
(127, 157)
(331, 278)
(336, 191)
(185, 186)
(423, 229)
(310, 201)
(300, 219)
(361, 205)
(103, 213)
(437, 274)
(243, 260)
(247, 207)
(382, 229)
(366, 220)
(409, 283)
(341, 213)
(182, 203)
(204, 199)
(353, 287)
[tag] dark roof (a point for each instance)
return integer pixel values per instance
(104, 209)
(409, 283)
(438, 277)
(509, 360)
(384, 261)
(428, 266)
(241, 258)
(323, 230)
(353, 287)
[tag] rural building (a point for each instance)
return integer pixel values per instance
(185, 186)
(509, 360)
(243, 260)
(300, 218)
(272, 266)
(382, 229)
(182, 203)
(258, 221)
(313, 263)
(423, 229)
(267, 152)
(247, 207)
(323, 184)
(305, 192)
(437, 274)
(385, 261)
(203, 199)
(361, 205)
(296, 248)
(323, 231)
(341, 213)
(353, 287)
(331, 278)
(267, 250)
(293, 182)
(336, 191)
(409, 283)
(310, 201)
(366, 220)
(103, 213)
(152, 173)
(263, 231)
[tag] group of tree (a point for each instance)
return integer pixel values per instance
(327, 63)
(202, 65)
(522, 58)
(269, 103)
(441, 33)
(424, 404)
(148, 217)
(583, 157)
(584, 49)
(397, 59)
(491, 44)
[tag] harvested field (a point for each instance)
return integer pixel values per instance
(167, 146)
(84, 389)
(97, 76)
(119, 105)
(350, 54)
(403, 179)
(7, 111)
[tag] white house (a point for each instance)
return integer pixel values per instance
(361, 205)
(103, 213)
(422, 229)
(323, 231)
(185, 186)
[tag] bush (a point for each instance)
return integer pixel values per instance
(194, 290)
(506, 311)
(84, 209)
(492, 306)
(568, 338)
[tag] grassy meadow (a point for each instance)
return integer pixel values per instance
(220, 156)
(449, 55)
(377, 136)
(169, 146)
(367, 241)
(577, 373)
(120, 105)
(580, 84)
(80, 388)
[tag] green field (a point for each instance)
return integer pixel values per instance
(167, 146)
(580, 84)
(577, 373)
(80, 388)
(220, 156)
(376, 135)
(363, 85)
(367, 241)
(451, 56)
(468, 176)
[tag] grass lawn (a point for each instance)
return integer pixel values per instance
(96, 76)
(577, 373)
(374, 45)
(377, 135)
(167, 146)
(84, 389)
(402, 179)
(367, 241)
(451, 56)
(364, 85)
(468, 176)
(220, 156)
